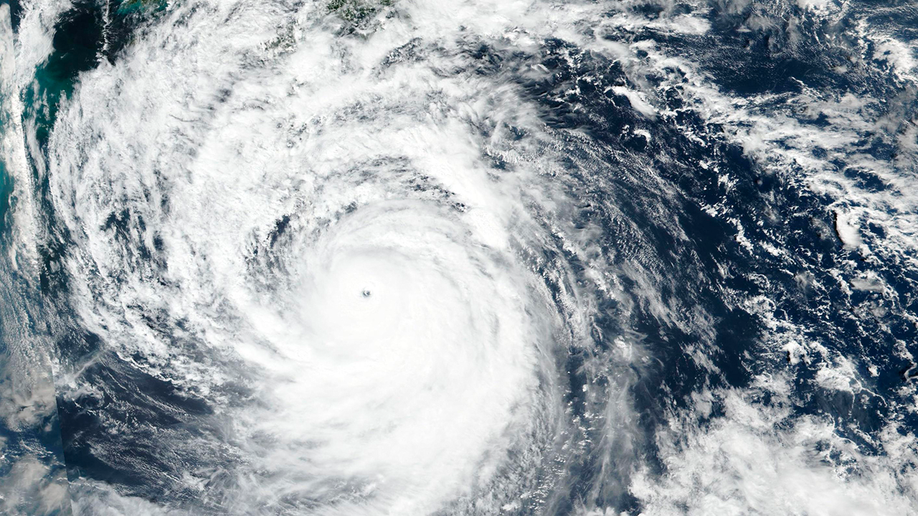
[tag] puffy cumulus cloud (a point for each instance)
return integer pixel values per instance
(26, 394)
(32, 487)
(97, 499)
(758, 458)
(32, 477)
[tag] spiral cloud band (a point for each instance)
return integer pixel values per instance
(329, 228)
(372, 257)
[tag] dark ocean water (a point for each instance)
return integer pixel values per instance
(723, 208)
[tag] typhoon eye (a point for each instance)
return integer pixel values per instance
(446, 369)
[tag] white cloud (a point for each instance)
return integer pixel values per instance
(759, 459)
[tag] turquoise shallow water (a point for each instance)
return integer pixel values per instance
(6, 188)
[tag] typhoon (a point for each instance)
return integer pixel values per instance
(479, 257)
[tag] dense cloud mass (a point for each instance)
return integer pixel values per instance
(478, 257)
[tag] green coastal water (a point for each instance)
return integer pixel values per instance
(6, 190)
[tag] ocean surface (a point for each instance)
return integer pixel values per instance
(470, 257)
